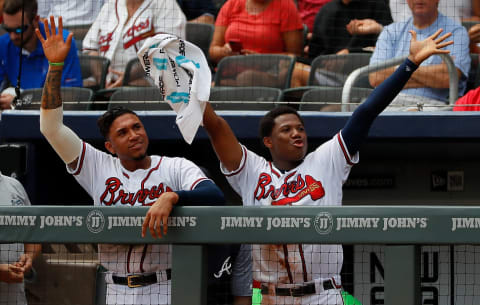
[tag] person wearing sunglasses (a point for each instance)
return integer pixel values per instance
(33, 60)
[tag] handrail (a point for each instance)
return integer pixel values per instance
(352, 77)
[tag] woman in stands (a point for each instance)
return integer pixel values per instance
(246, 27)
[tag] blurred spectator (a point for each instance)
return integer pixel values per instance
(73, 12)
(344, 26)
(15, 259)
(341, 27)
(469, 102)
(458, 10)
(118, 36)
(430, 82)
(474, 35)
(308, 9)
(257, 26)
(34, 63)
(200, 11)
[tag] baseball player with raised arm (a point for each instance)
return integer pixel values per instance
(137, 274)
(304, 273)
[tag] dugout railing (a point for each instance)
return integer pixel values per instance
(401, 228)
(363, 71)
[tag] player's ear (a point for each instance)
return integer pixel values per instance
(109, 147)
(267, 141)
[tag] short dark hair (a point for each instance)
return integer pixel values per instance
(11, 7)
(268, 121)
(106, 120)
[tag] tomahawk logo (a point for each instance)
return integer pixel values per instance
(226, 267)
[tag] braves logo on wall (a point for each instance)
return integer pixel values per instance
(113, 194)
(292, 191)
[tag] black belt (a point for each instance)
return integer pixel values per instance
(298, 291)
(139, 280)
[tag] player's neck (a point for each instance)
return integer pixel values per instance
(133, 165)
(285, 166)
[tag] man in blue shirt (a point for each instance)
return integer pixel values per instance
(430, 83)
(34, 62)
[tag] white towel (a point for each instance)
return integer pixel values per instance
(181, 71)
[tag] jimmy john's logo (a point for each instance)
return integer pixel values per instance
(95, 221)
(323, 223)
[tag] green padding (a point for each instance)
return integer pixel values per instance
(256, 296)
(349, 299)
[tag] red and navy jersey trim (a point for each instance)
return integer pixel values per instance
(344, 150)
(80, 160)
(150, 172)
(242, 165)
(197, 182)
(273, 170)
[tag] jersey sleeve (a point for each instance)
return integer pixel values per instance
(241, 178)
(187, 174)
(333, 158)
(84, 173)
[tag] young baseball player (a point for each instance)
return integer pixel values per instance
(304, 273)
(137, 274)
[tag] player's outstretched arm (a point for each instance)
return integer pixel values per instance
(223, 140)
(356, 129)
(65, 142)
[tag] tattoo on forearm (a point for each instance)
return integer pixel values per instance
(51, 97)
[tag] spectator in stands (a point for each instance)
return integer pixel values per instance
(469, 102)
(474, 35)
(198, 11)
(344, 26)
(259, 26)
(308, 9)
(119, 36)
(74, 12)
(15, 259)
(34, 63)
(341, 27)
(430, 83)
(455, 9)
(246, 27)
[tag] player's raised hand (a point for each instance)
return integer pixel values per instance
(55, 49)
(157, 215)
(421, 50)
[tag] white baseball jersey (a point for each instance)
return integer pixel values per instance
(119, 39)
(316, 181)
(110, 184)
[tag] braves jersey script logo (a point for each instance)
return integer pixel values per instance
(298, 187)
(114, 194)
(104, 41)
(138, 32)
